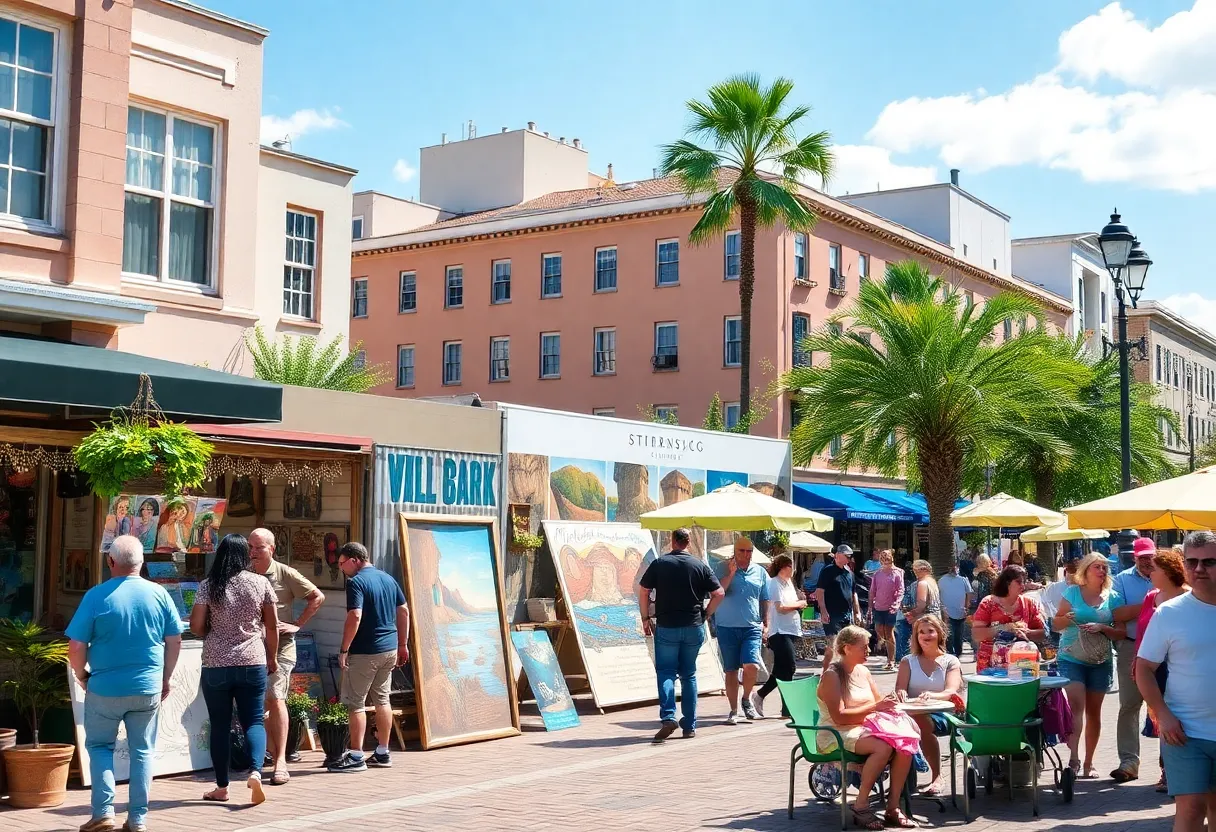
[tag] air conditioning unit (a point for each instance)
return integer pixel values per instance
(666, 361)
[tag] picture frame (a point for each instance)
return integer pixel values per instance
(460, 665)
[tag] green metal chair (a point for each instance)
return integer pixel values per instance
(801, 698)
(995, 725)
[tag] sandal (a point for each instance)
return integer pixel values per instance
(1162, 788)
(1090, 774)
(934, 789)
(213, 798)
(279, 778)
(897, 819)
(866, 819)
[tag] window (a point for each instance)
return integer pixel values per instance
(667, 263)
(964, 249)
(1158, 362)
(405, 366)
(666, 346)
(605, 269)
(1007, 328)
(835, 275)
(550, 355)
(732, 342)
(170, 198)
(968, 301)
(500, 359)
(837, 330)
(454, 298)
(796, 415)
(1104, 311)
(501, 282)
(28, 103)
(358, 297)
(834, 447)
(863, 267)
(604, 411)
(1022, 325)
(1081, 301)
(300, 268)
(799, 256)
(1177, 362)
(605, 352)
(667, 413)
(360, 361)
(453, 358)
(409, 293)
(731, 414)
(801, 329)
(551, 276)
(356, 228)
(731, 253)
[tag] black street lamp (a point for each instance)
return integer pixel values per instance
(1128, 265)
(1190, 412)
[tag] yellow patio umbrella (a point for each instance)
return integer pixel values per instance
(1053, 534)
(1187, 502)
(736, 508)
(807, 542)
(1002, 510)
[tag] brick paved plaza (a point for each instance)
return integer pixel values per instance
(604, 775)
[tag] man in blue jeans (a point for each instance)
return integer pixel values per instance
(123, 645)
(680, 583)
(742, 624)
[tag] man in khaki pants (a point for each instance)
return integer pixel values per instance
(374, 641)
(1131, 585)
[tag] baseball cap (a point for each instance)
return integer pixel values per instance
(1144, 547)
(844, 549)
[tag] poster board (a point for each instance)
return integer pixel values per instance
(545, 678)
(182, 741)
(459, 644)
(597, 567)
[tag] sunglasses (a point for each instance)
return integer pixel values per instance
(1195, 563)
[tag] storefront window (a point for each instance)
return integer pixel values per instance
(18, 543)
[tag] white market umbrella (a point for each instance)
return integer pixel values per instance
(807, 542)
(728, 551)
(1053, 534)
(736, 508)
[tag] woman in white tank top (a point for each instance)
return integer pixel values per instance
(928, 672)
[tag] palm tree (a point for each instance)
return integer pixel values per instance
(751, 168)
(298, 361)
(935, 398)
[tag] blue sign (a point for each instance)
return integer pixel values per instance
(439, 479)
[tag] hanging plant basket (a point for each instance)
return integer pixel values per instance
(139, 444)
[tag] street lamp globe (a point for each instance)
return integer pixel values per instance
(1136, 271)
(1116, 243)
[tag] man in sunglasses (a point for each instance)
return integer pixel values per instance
(1184, 638)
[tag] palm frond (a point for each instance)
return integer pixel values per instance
(297, 362)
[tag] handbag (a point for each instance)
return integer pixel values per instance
(1089, 648)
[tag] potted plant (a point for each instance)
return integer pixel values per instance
(300, 707)
(333, 726)
(37, 774)
(522, 541)
(130, 448)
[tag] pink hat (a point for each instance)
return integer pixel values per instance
(1144, 547)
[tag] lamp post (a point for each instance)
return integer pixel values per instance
(1190, 412)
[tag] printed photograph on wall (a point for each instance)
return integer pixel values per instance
(76, 570)
(458, 631)
(633, 490)
(578, 490)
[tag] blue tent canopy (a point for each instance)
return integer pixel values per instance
(848, 503)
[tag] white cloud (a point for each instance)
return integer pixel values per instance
(861, 168)
(403, 171)
(1195, 308)
(299, 123)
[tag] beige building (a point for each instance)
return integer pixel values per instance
(1181, 362)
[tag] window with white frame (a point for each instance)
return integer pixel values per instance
(356, 228)
(300, 267)
(863, 267)
(731, 254)
(500, 359)
(605, 352)
(668, 413)
(550, 355)
(169, 207)
(501, 282)
(731, 413)
(551, 276)
(454, 283)
(408, 296)
(358, 297)
(732, 341)
(667, 262)
(605, 269)
(799, 256)
(29, 92)
(835, 273)
(453, 362)
(405, 365)
(666, 346)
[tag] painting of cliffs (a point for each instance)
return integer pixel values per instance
(577, 489)
(633, 490)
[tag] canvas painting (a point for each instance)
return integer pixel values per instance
(459, 634)
(132, 514)
(205, 530)
(175, 524)
(182, 739)
(578, 490)
(302, 500)
(545, 677)
(633, 490)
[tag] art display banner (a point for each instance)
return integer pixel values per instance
(183, 729)
(458, 632)
(545, 677)
(598, 568)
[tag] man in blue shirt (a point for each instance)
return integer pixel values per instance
(1131, 585)
(123, 645)
(742, 624)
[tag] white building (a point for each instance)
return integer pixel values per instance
(1071, 265)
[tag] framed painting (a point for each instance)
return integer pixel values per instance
(459, 645)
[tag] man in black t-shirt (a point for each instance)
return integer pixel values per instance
(681, 583)
(836, 595)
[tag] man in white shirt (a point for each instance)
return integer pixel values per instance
(1182, 634)
(955, 593)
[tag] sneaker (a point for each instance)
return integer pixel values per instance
(129, 827)
(689, 733)
(378, 760)
(732, 718)
(669, 728)
(758, 704)
(106, 824)
(749, 711)
(348, 763)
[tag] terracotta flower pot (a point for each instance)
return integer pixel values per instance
(8, 738)
(38, 777)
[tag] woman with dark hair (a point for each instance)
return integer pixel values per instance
(234, 612)
(1006, 610)
(785, 627)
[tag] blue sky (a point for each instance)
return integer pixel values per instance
(1054, 111)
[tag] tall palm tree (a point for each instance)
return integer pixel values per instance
(299, 362)
(750, 166)
(935, 398)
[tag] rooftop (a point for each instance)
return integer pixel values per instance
(1154, 308)
(308, 160)
(951, 185)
